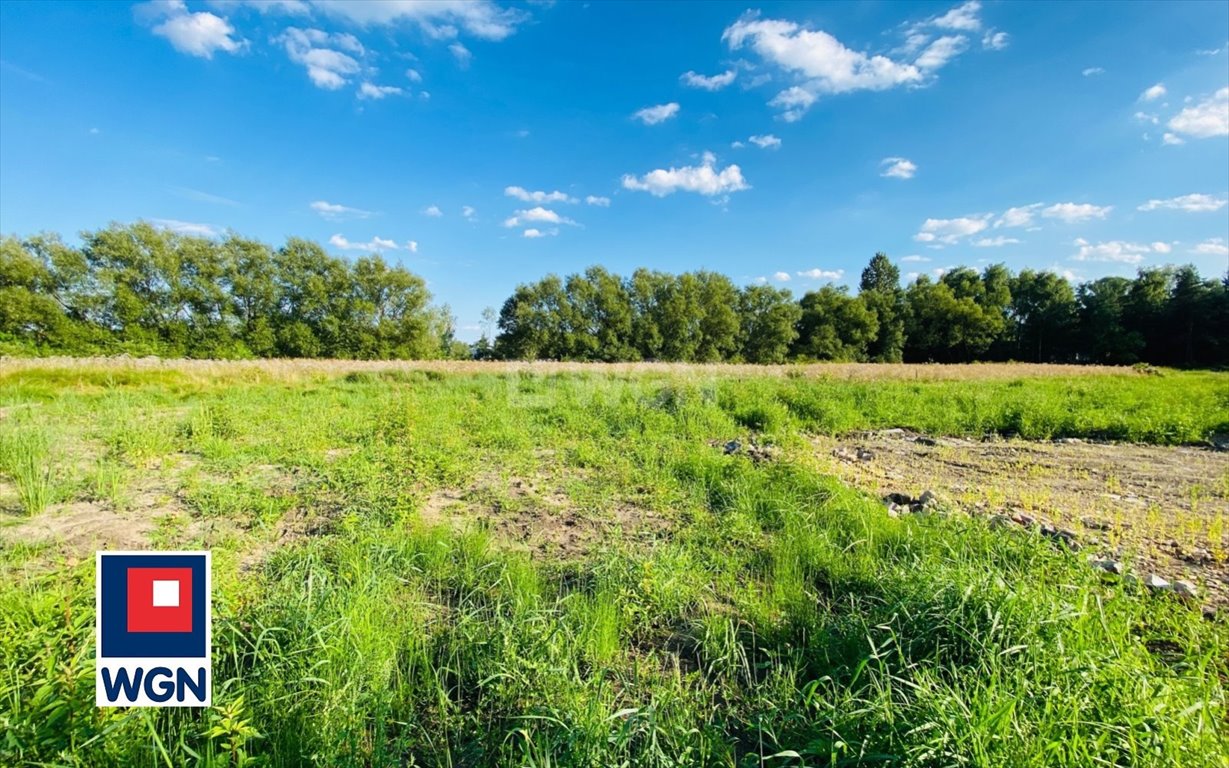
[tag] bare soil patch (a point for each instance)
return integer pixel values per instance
(1161, 509)
(535, 516)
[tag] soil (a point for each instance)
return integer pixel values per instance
(1159, 509)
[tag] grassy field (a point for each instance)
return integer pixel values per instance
(560, 566)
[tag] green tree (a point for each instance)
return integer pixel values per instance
(1104, 337)
(881, 293)
(835, 326)
(767, 318)
(1043, 307)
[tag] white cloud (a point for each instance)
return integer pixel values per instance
(767, 141)
(196, 34)
(372, 91)
(737, 145)
(897, 168)
(433, 211)
(1162, 247)
(1171, 139)
(657, 114)
(822, 274)
(537, 215)
(185, 227)
(601, 202)
(1093, 71)
(414, 75)
(327, 67)
(411, 246)
(1021, 216)
(439, 18)
(461, 53)
(333, 211)
(520, 193)
(781, 277)
(962, 17)
(995, 242)
(949, 231)
(995, 41)
(704, 179)
(913, 258)
(1117, 251)
(289, 7)
(534, 233)
(376, 244)
(1212, 247)
(827, 65)
(1145, 117)
(1076, 212)
(1206, 119)
(709, 82)
(1193, 203)
(468, 211)
(1153, 93)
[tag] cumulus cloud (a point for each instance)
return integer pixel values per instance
(913, 258)
(373, 91)
(1116, 251)
(1212, 247)
(375, 245)
(536, 215)
(1076, 212)
(433, 211)
(1193, 203)
(520, 193)
(704, 179)
(461, 54)
(767, 141)
(1171, 139)
(995, 242)
(657, 114)
(334, 211)
(781, 277)
(414, 75)
(963, 17)
(822, 274)
(185, 227)
(1092, 71)
(439, 19)
(534, 232)
(196, 34)
(1153, 93)
(468, 211)
(1020, 216)
(995, 41)
(1206, 119)
(897, 168)
(707, 82)
(321, 54)
(601, 202)
(950, 231)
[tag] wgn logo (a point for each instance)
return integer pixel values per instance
(153, 629)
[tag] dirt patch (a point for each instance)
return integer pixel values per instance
(538, 517)
(1159, 508)
(80, 528)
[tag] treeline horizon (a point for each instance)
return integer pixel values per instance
(140, 290)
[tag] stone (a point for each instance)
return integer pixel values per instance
(1023, 519)
(732, 447)
(1108, 565)
(899, 498)
(1155, 583)
(865, 455)
(924, 440)
(928, 497)
(998, 522)
(893, 510)
(1069, 441)
(1093, 524)
(1184, 589)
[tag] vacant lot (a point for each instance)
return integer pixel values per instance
(480, 564)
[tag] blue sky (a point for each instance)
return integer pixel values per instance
(484, 144)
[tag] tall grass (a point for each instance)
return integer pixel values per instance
(777, 618)
(25, 456)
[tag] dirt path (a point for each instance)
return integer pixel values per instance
(1157, 508)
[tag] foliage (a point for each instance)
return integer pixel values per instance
(142, 290)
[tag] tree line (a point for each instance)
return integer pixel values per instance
(1164, 316)
(138, 289)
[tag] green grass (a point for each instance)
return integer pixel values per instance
(777, 618)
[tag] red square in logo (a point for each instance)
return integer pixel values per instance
(159, 599)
